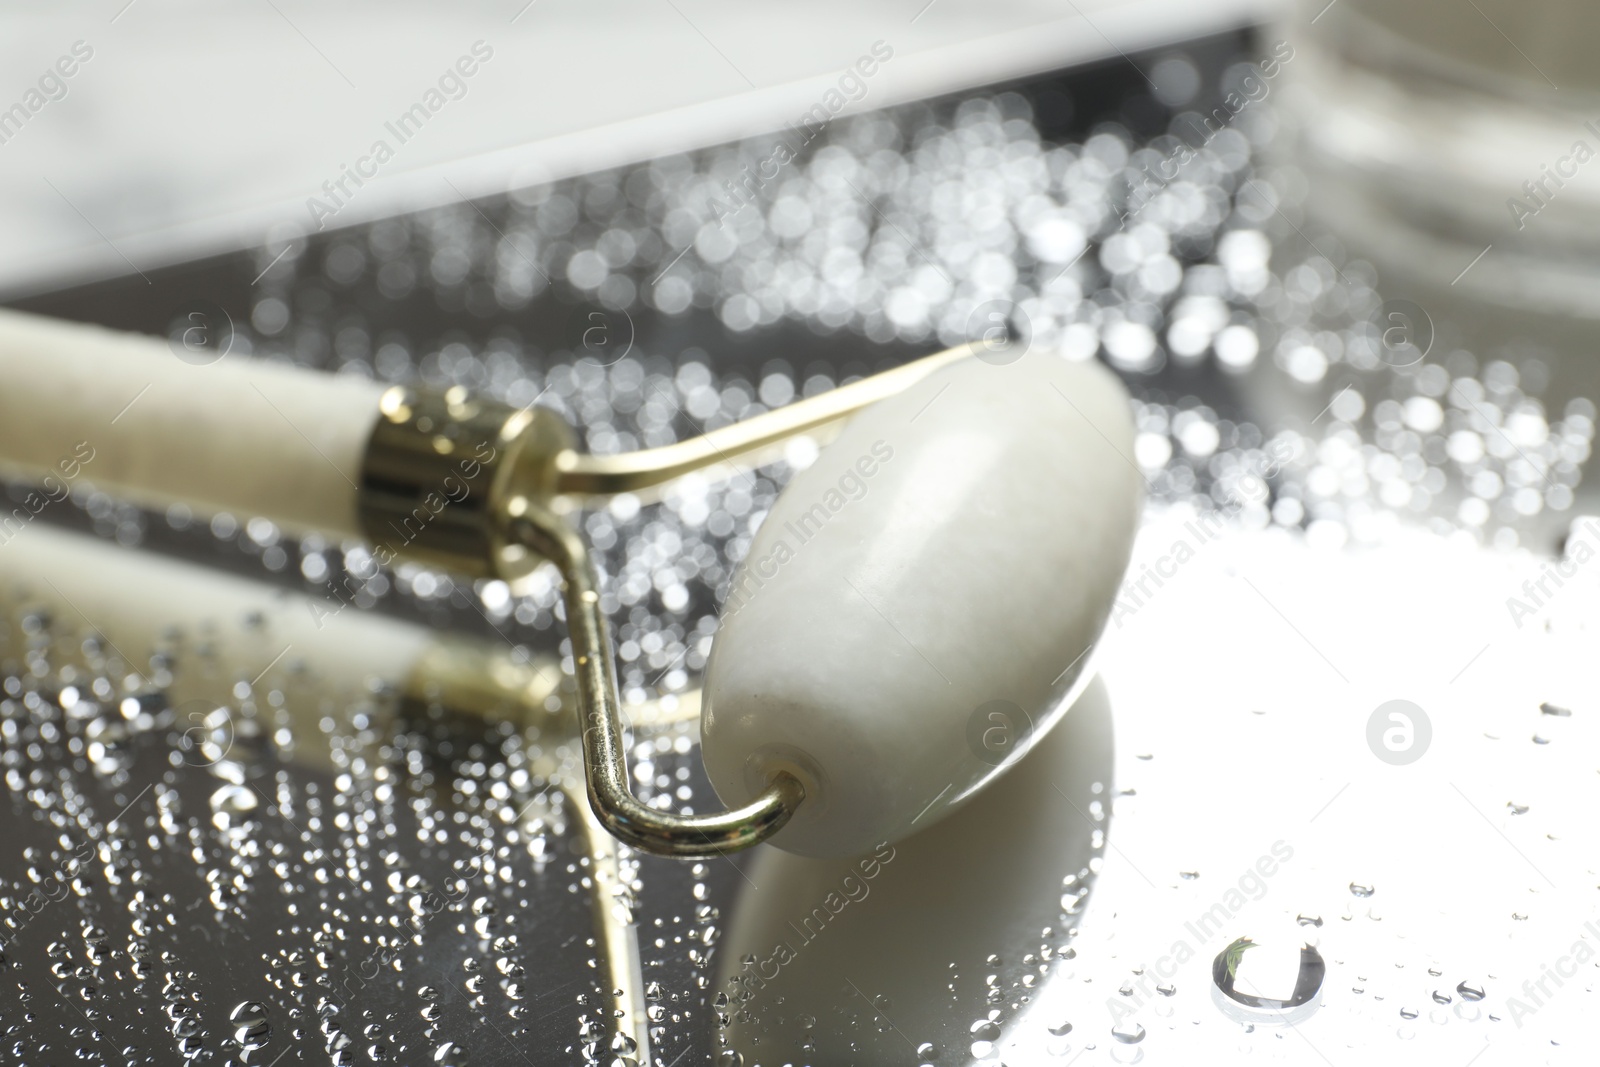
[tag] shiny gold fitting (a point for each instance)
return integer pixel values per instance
(440, 472)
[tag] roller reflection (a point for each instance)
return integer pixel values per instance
(909, 950)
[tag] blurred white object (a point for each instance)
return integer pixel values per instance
(186, 130)
(1451, 144)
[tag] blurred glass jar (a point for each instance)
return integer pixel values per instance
(1455, 145)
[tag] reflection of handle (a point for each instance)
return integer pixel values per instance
(239, 435)
(222, 630)
(143, 604)
(298, 642)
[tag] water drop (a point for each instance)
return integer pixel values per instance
(1273, 976)
(251, 1027)
(234, 800)
(1359, 890)
(1469, 991)
(450, 1054)
(1129, 1033)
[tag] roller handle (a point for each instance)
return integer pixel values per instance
(125, 413)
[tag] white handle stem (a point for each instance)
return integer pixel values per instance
(123, 412)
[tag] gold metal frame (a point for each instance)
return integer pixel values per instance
(484, 489)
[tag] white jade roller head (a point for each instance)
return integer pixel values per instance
(920, 604)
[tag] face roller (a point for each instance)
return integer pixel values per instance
(920, 602)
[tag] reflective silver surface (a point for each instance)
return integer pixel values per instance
(1347, 525)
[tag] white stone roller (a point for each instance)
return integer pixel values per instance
(920, 604)
(123, 412)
